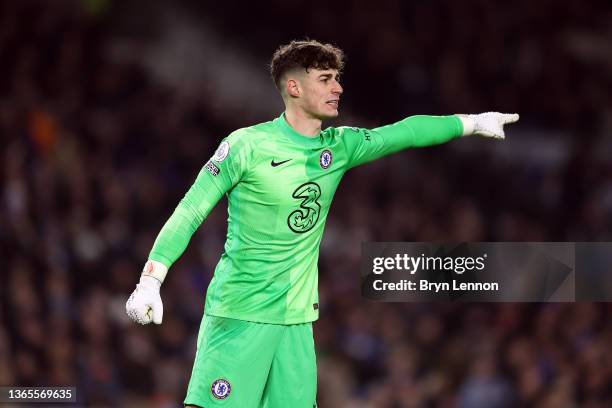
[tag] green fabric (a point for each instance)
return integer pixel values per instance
(268, 270)
(265, 365)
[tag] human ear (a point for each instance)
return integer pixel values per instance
(293, 88)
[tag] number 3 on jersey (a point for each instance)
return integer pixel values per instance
(306, 216)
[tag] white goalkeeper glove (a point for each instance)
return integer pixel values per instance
(490, 124)
(144, 304)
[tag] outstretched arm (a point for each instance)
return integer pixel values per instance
(420, 131)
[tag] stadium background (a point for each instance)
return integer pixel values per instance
(109, 108)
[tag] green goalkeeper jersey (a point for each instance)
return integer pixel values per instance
(280, 186)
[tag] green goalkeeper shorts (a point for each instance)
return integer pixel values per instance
(246, 364)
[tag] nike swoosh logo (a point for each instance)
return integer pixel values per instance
(274, 164)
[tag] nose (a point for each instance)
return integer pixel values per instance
(337, 89)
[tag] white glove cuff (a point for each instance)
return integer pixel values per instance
(155, 269)
(468, 124)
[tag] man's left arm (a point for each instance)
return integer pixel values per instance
(421, 131)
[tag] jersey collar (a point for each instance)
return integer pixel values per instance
(290, 132)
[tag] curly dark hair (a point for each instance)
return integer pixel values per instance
(305, 54)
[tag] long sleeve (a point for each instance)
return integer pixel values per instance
(219, 175)
(365, 145)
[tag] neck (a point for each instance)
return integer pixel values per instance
(302, 122)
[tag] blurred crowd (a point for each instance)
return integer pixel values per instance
(96, 153)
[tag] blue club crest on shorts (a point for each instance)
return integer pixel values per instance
(220, 389)
(326, 159)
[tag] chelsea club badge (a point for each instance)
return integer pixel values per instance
(221, 389)
(326, 159)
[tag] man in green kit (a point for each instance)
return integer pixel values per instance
(255, 346)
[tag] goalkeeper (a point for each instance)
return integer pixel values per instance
(255, 346)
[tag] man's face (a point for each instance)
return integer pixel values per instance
(320, 92)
